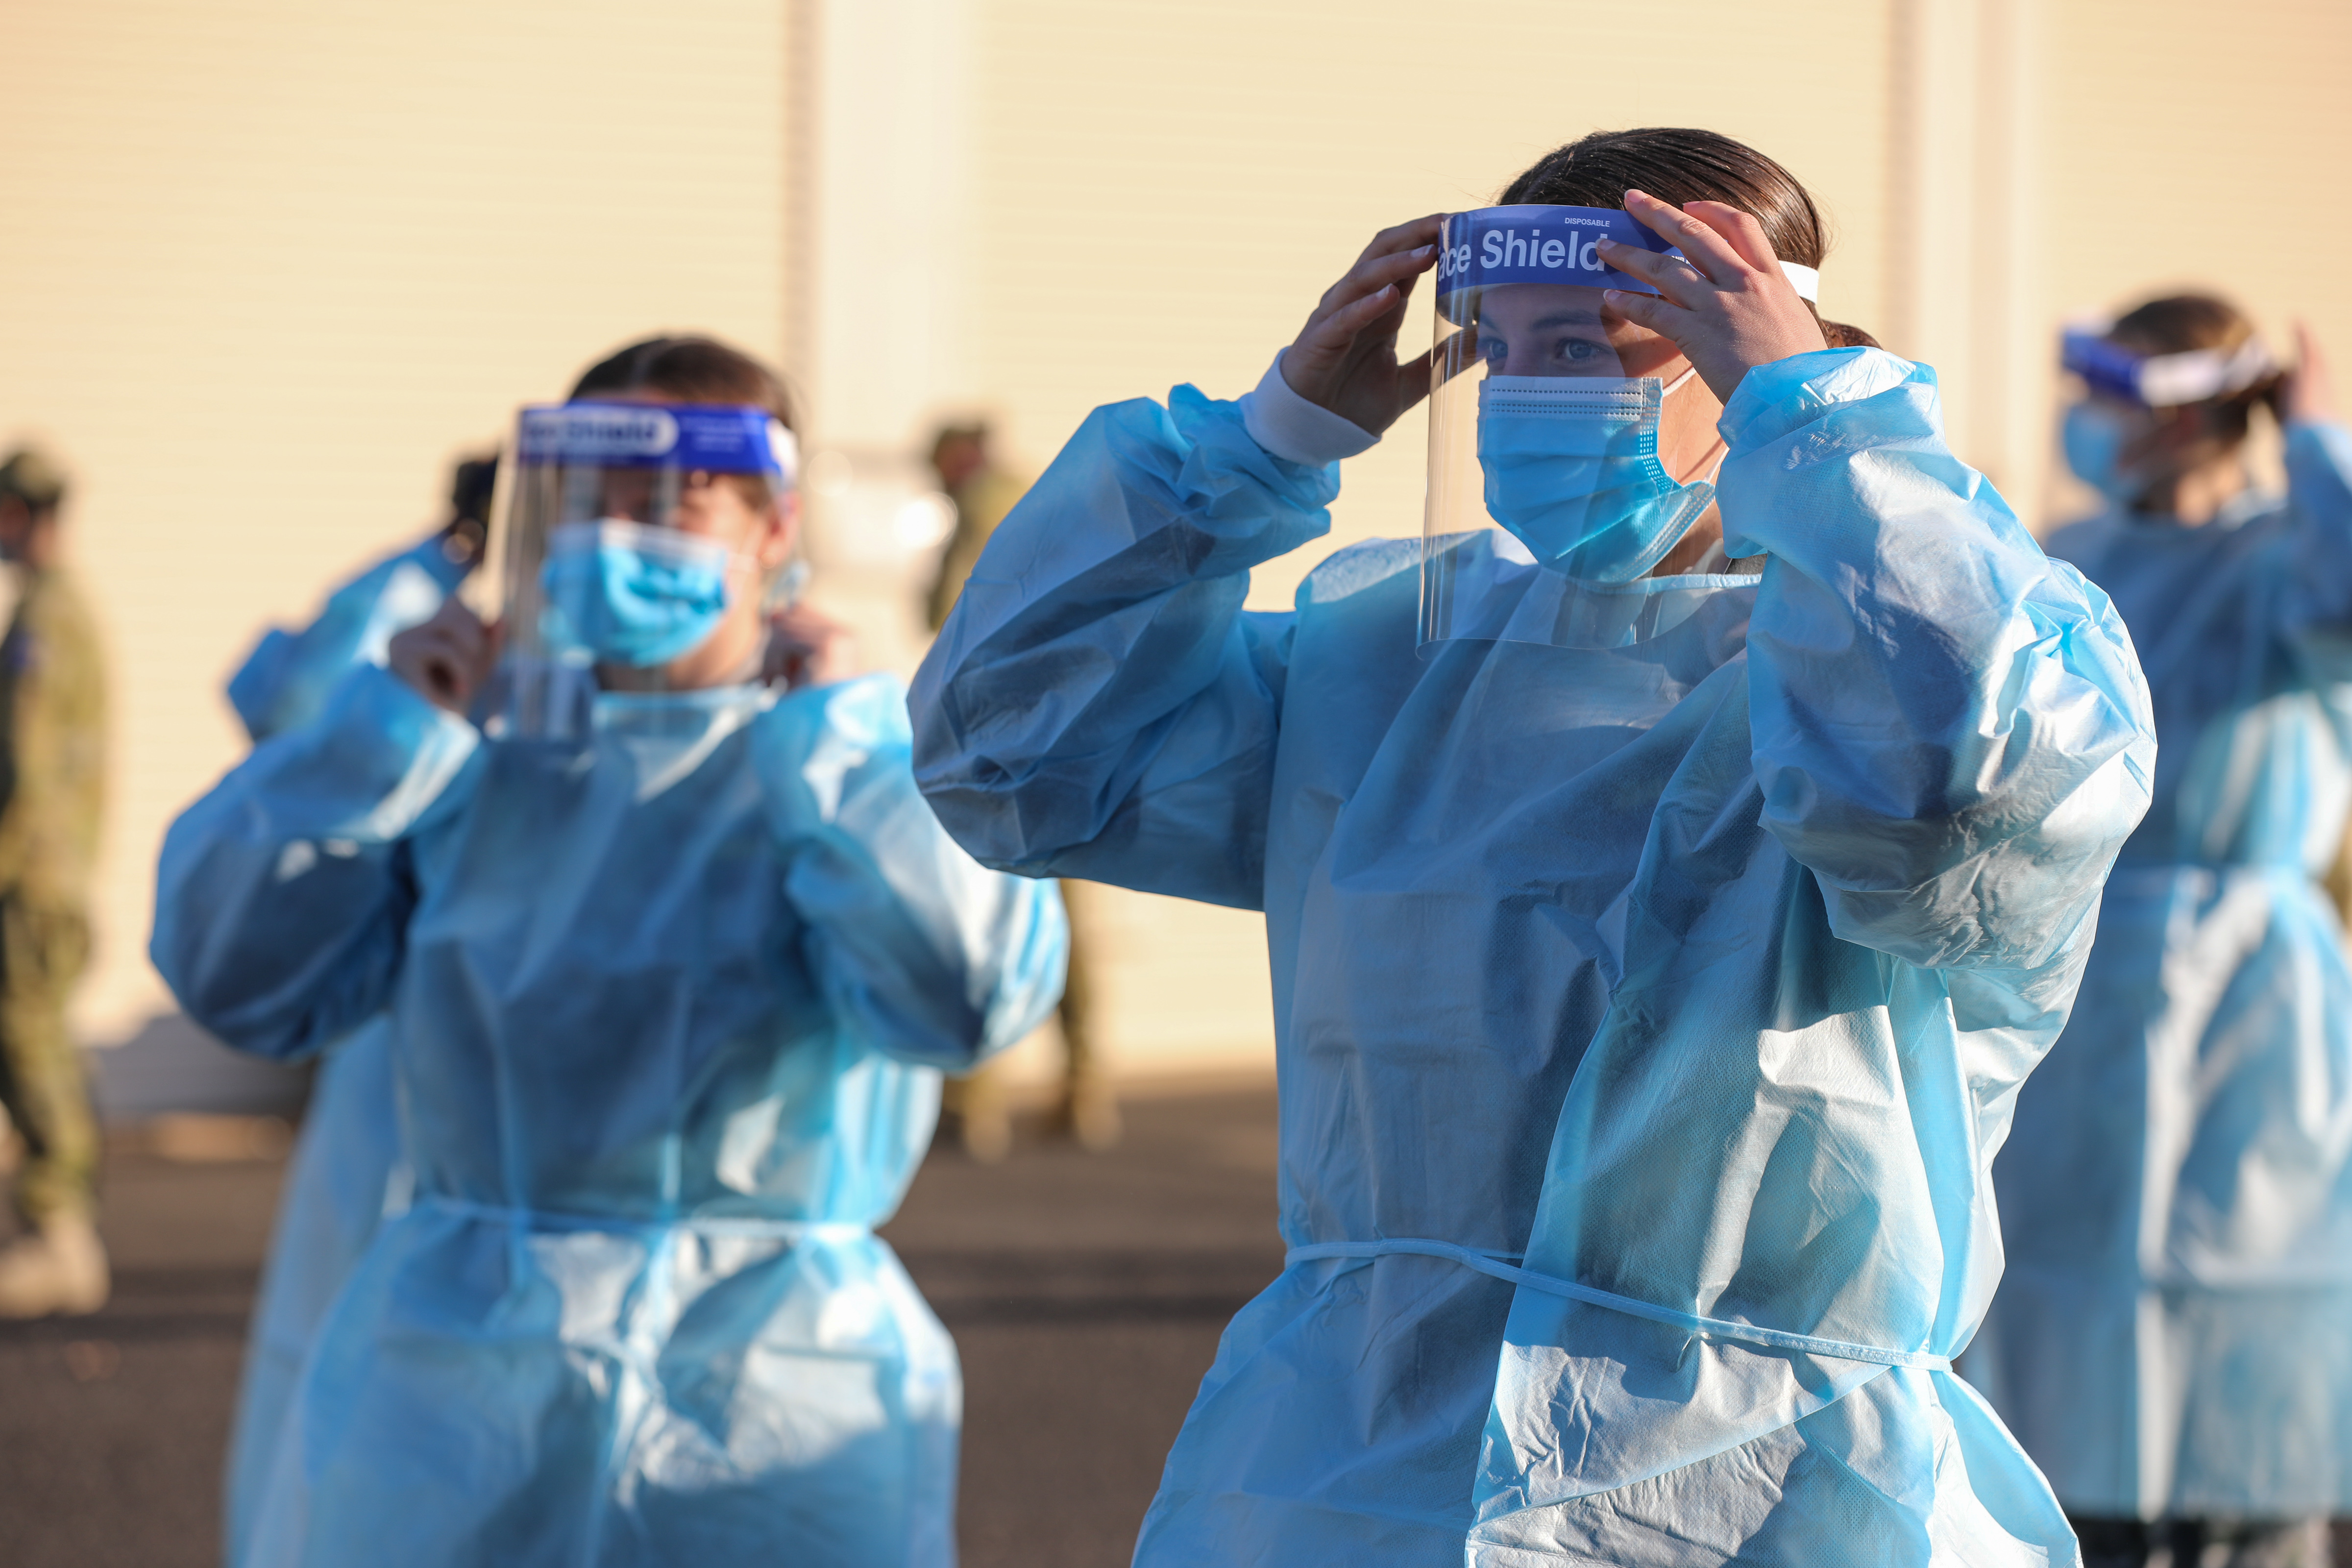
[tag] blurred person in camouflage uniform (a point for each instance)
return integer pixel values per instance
(977, 1109)
(52, 784)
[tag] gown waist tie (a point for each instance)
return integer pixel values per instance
(571, 1220)
(1494, 1264)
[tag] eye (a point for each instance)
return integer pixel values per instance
(1492, 348)
(1578, 351)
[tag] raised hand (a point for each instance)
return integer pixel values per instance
(2307, 392)
(1728, 307)
(1345, 357)
(447, 659)
(806, 648)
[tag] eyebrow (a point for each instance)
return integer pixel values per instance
(1559, 319)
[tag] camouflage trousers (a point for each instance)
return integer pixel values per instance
(42, 953)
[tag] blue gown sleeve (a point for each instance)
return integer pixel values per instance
(926, 954)
(1099, 705)
(285, 679)
(2319, 492)
(282, 896)
(1950, 728)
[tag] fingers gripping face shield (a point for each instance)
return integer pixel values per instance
(1548, 503)
(628, 536)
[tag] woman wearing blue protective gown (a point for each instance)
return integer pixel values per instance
(1648, 1014)
(345, 1168)
(2173, 1339)
(670, 1005)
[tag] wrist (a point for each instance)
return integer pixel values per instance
(1291, 426)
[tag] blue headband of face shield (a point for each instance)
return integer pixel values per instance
(2163, 381)
(1559, 244)
(716, 438)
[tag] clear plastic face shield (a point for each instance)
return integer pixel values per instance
(2110, 433)
(1549, 502)
(636, 537)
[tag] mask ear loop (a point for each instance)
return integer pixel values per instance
(1725, 452)
(785, 586)
(1715, 558)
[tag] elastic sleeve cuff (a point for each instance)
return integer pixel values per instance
(385, 750)
(1296, 430)
(1772, 400)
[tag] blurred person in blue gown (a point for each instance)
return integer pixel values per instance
(345, 1171)
(670, 987)
(1668, 887)
(2172, 1342)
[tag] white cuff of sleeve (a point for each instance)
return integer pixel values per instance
(1296, 430)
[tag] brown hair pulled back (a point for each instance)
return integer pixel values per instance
(691, 370)
(2183, 323)
(694, 369)
(1677, 165)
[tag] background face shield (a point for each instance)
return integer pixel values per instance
(1547, 504)
(603, 575)
(2163, 381)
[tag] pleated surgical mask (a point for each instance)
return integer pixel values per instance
(633, 595)
(2094, 436)
(1572, 471)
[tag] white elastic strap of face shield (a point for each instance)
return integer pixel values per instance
(787, 448)
(1806, 280)
(2202, 375)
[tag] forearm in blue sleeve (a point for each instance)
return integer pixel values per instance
(2319, 492)
(285, 679)
(281, 896)
(927, 954)
(1100, 704)
(1950, 728)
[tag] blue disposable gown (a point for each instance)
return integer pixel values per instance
(2174, 1334)
(668, 1016)
(345, 1166)
(1701, 971)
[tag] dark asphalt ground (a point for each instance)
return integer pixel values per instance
(1086, 1291)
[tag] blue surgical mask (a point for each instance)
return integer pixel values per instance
(2094, 436)
(629, 594)
(1572, 471)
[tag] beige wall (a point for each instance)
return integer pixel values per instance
(269, 264)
